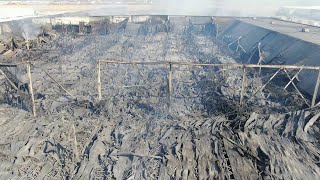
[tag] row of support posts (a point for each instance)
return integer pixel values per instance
(315, 92)
(243, 83)
(100, 85)
(169, 82)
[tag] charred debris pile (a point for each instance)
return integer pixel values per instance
(152, 122)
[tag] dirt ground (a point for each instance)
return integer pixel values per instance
(139, 131)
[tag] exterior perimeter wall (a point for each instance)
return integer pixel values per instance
(277, 48)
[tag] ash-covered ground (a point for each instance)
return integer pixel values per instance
(139, 131)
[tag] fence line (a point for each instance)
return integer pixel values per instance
(243, 66)
(215, 65)
(170, 65)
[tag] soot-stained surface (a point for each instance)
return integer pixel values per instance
(139, 131)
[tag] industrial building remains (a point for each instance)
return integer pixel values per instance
(159, 97)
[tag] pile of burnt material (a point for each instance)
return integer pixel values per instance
(102, 115)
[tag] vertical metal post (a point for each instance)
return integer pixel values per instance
(28, 45)
(50, 24)
(260, 56)
(81, 27)
(1, 29)
(316, 90)
(31, 88)
(217, 30)
(170, 79)
(99, 80)
(169, 86)
(243, 86)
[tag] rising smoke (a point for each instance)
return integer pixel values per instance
(29, 30)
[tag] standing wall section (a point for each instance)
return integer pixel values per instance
(278, 48)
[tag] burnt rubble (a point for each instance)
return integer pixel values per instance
(138, 130)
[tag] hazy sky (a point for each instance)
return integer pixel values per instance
(187, 7)
(232, 7)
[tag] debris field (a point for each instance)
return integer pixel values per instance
(153, 122)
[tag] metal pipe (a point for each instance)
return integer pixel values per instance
(99, 81)
(262, 87)
(216, 65)
(243, 86)
(31, 89)
(316, 90)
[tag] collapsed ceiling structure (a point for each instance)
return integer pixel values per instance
(104, 107)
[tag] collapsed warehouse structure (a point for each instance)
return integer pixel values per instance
(156, 97)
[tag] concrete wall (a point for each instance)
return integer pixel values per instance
(278, 49)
